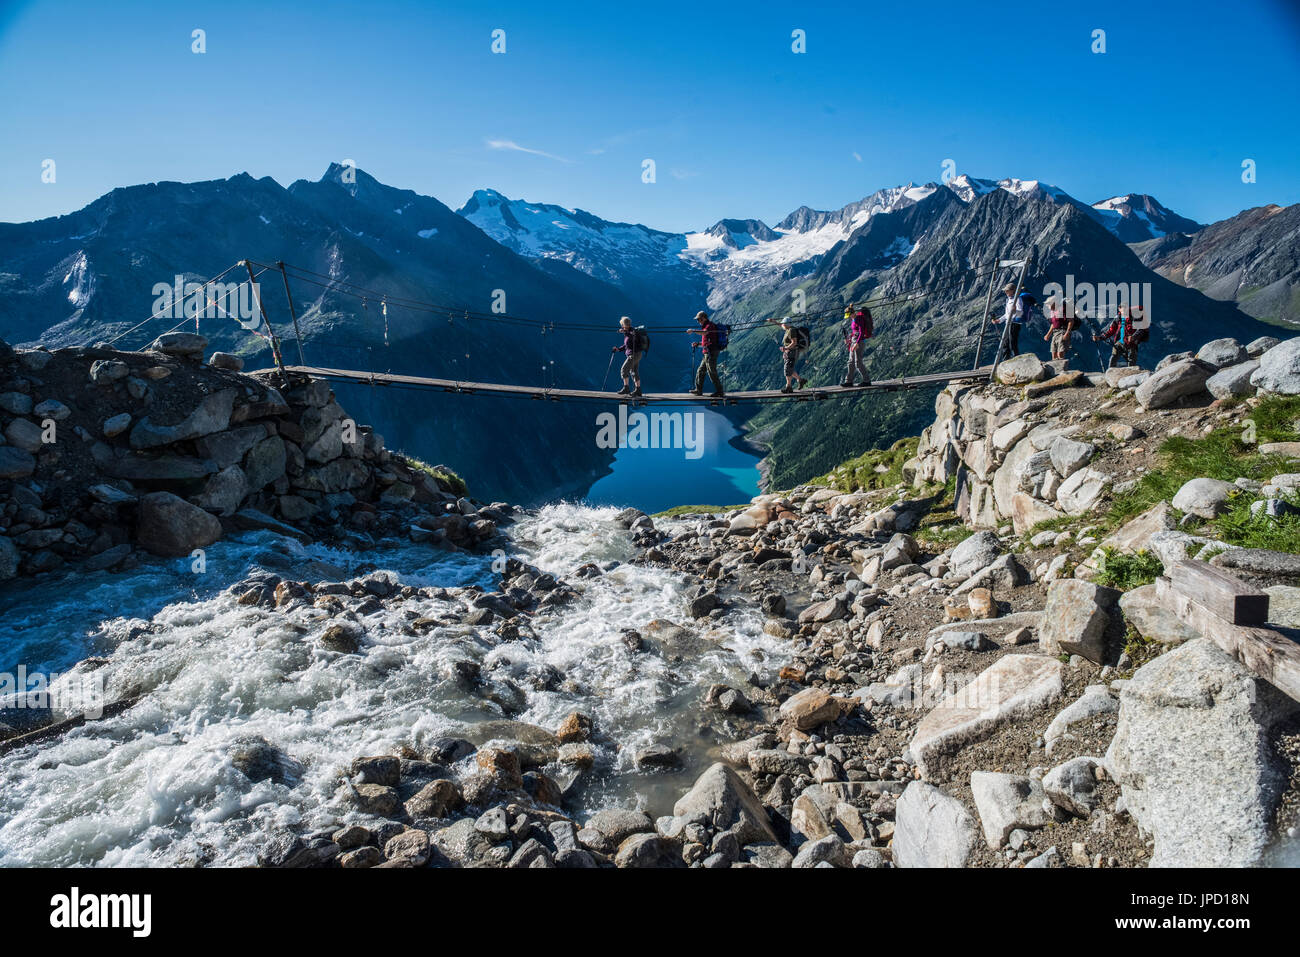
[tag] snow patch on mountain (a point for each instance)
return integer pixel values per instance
(80, 281)
(607, 250)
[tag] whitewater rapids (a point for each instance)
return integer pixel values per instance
(155, 785)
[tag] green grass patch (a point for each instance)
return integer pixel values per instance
(1238, 526)
(1123, 571)
(874, 469)
(697, 509)
(1226, 455)
(1061, 524)
(937, 533)
(1139, 650)
(444, 477)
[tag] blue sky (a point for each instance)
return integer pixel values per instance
(738, 125)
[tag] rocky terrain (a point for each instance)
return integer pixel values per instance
(970, 676)
(106, 456)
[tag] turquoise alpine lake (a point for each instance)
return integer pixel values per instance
(693, 459)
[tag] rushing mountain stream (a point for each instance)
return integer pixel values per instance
(166, 780)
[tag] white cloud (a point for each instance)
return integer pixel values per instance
(857, 156)
(515, 147)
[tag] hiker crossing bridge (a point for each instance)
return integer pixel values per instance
(243, 302)
(808, 394)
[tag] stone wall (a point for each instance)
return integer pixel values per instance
(106, 453)
(1013, 461)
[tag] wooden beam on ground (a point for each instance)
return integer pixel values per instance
(1269, 654)
(1223, 593)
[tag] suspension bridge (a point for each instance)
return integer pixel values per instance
(214, 296)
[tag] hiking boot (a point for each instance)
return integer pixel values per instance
(623, 391)
(719, 395)
(846, 384)
(864, 383)
(787, 390)
(802, 383)
(636, 391)
(697, 392)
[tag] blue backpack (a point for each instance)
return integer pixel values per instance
(724, 335)
(1027, 303)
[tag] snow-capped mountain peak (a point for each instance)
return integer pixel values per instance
(1135, 217)
(610, 251)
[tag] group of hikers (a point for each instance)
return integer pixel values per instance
(1125, 334)
(795, 341)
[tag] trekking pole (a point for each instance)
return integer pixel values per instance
(604, 383)
(1096, 330)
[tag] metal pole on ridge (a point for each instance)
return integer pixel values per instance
(297, 333)
(1006, 325)
(988, 304)
(275, 344)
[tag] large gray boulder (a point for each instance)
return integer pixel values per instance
(1007, 802)
(1259, 346)
(1012, 688)
(1221, 353)
(722, 800)
(1146, 613)
(265, 462)
(188, 345)
(1072, 786)
(932, 829)
(1232, 381)
(212, 414)
(1193, 759)
(1075, 618)
(1025, 367)
(1205, 497)
(1279, 369)
(1068, 456)
(1172, 383)
(224, 492)
(169, 525)
(974, 553)
(1082, 491)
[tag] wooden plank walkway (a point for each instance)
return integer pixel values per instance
(809, 394)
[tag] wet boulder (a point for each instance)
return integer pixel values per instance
(168, 525)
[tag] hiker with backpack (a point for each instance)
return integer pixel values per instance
(1122, 336)
(1019, 310)
(1061, 331)
(794, 344)
(635, 343)
(713, 339)
(858, 328)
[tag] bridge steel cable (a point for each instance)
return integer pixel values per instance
(972, 275)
